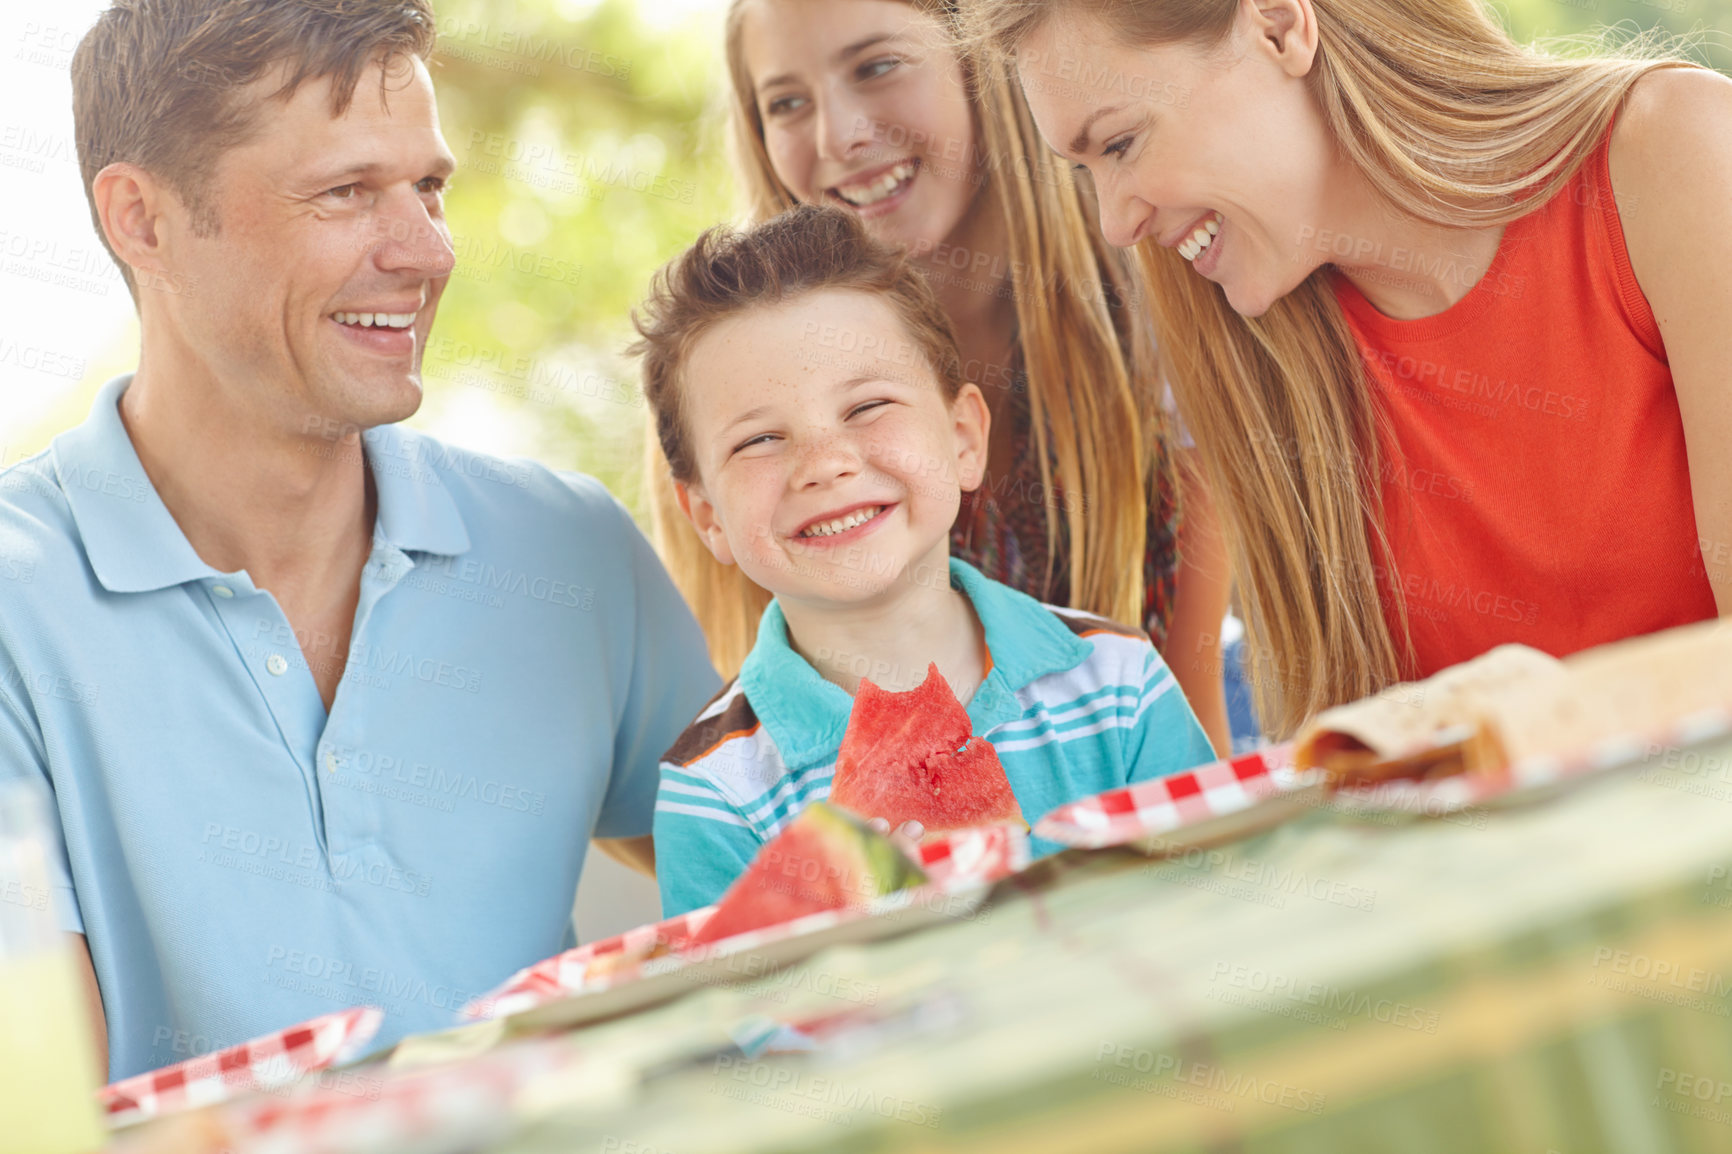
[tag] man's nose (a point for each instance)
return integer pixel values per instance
(410, 238)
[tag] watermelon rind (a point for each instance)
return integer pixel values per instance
(825, 859)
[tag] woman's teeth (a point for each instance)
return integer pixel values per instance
(376, 320)
(861, 195)
(1192, 246)
(842, 524)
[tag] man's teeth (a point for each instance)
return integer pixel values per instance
(842, 524)
(376, 320)
(861, 195)
(1192, 246)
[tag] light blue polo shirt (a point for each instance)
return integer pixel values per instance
(238, 860)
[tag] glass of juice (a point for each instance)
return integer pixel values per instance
(47, 1060)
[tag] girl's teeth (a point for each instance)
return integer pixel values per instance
(864, 194)
(843, 524)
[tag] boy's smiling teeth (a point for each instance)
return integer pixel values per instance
(375, 320)
(842, 524)
(873, 191)
(1192, 246)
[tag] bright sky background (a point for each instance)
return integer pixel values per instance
(59, 339)
(45, 229)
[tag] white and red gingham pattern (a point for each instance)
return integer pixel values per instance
(953, 861)
(570, 972)
(969, 857)
(439, 1110)
(263, 1063)
(1162, 805)
(1153, 808)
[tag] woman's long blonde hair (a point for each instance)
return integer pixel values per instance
(1091, 371)
(1453, 123)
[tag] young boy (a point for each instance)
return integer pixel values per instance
(809, 397)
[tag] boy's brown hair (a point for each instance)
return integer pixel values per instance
(729, 272)
(156, 82)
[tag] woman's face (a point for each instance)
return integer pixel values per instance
(864, 105)
(1218, 151)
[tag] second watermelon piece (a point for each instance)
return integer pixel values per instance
(824, 860)
(912, 757)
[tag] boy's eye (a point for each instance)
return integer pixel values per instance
(760, 439)
(861, 408)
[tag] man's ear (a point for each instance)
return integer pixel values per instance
(131, 206)
(702, 515)
(1286, 30)
(971, 425)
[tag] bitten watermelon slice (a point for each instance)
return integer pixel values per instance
(824, 860)
(911, 757)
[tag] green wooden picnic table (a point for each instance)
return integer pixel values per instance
(1547, 976)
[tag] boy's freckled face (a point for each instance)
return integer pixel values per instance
(829, 462)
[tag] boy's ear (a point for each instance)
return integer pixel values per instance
(702, 516)
(971, 424)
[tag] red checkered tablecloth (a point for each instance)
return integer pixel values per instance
(261, 1064)
(1151, 809)
(953, 861)
(1162, 805)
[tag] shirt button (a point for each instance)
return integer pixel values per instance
(222, 590)
(277, 664)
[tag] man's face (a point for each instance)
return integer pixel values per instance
(313, 301)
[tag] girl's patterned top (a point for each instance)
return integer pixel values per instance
(1001, 529)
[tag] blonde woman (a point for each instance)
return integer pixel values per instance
(1447, 317)
(865, 104)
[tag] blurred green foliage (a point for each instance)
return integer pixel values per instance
(590, 153)
(1531, 20)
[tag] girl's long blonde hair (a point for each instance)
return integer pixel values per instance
(1097, 426)
(1452, 122)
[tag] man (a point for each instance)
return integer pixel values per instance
(329, 711)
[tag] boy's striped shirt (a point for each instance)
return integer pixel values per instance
(1074, 705)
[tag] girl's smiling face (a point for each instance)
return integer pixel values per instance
(865, 106)
(829, 464)
(1219, 151)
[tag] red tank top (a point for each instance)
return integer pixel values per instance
(1535, 482)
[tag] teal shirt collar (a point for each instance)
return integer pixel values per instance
(134, 543)
(806, 715)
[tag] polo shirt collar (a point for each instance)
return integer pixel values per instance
(131, 538)
(416, 512)
(806, 716)
(1026, 639)
(134, 543)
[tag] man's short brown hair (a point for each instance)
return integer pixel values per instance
(156, 82)
(727, 272)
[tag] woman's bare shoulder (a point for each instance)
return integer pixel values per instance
(1671, 116)
(1671, 169)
